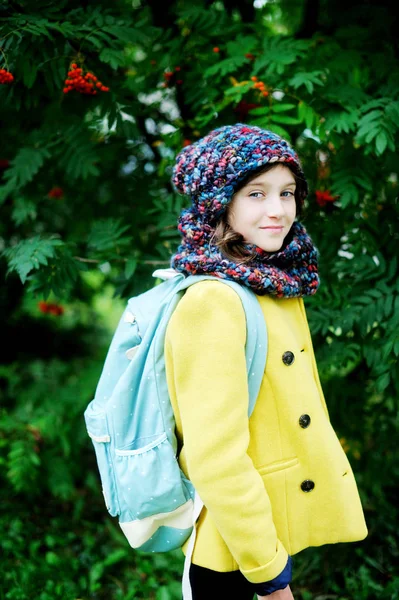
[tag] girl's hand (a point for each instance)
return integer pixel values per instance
(284, 594)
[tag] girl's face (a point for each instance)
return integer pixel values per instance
(266, 202)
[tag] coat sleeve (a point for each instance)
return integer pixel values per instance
(205, 344)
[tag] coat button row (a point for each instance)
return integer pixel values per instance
(307, 485)
(288, 357)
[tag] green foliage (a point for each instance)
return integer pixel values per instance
(30, 254)
(107, 236)
(331, 87)
(378, 124)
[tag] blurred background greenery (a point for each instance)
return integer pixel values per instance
(88, 212)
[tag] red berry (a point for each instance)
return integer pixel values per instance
(5, 77)
(43, 306)
(56, 192)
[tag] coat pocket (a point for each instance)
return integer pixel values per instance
(278, 465)
(149, 479)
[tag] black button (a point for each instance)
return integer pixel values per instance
(304, 421)
(307, 485)
(288, 357)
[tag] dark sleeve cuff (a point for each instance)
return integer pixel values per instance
(278, 583)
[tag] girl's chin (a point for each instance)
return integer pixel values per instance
(271, 247)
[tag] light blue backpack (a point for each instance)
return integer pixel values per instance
(131, 421)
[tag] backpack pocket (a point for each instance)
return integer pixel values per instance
(150, 480)
(97, 428)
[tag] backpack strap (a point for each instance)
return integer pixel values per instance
(256, 342)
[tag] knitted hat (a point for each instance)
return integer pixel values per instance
(211, 169)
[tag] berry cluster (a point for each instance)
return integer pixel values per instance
(86, 84)
(260, 85)
(56, 192)
(6, 77)
(322, 197)
(49, 307)
(171, 78)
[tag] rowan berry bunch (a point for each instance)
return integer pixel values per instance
(6, 77)
(324, 196)
(171, 77)
(84, 84)
(51, 308)
(259, 85)
(56, 192)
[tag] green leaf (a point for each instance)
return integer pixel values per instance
(392, 111)
(282, 107)
(29, 72)
(130, 267)
(115, 58)
(29, 255)
(223, 67)
(343, 121)
(107, 235)
(306, 79)
(242, 45)
(378, 128)
(129, 34)
(382, 382)
(116, 556)
(286, 120)
(260, 110)
(277, 53)
(307, 114)
(26, 165)
(238, 91)
(58, 276)
(78, 155)
(5, 190)
(23, 211)
(267, 124)
(381, 142)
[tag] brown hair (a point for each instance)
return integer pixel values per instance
(230, 242)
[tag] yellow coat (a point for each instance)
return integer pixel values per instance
(249, 472)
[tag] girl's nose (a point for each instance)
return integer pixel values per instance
(274, 207)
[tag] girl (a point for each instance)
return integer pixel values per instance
(279, 481)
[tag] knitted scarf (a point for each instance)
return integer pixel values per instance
(290, 272)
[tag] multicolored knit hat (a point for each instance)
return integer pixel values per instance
(210, 171)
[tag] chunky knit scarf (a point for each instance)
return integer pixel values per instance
(290, 272)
